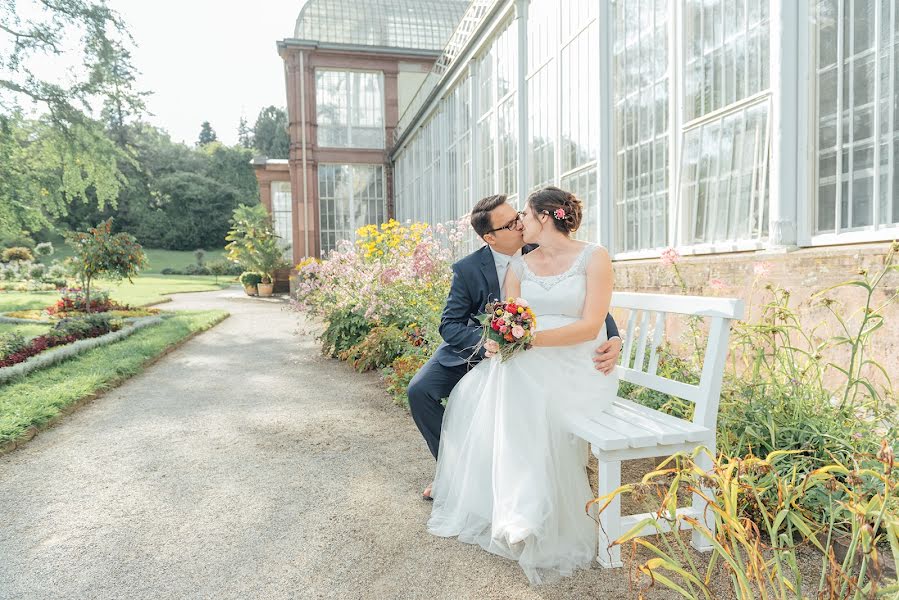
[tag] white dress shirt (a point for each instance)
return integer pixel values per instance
(502, 264)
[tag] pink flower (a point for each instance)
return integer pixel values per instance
(504, 329)
(389, 276)
(670, 257)
(717, 284)
(559, 213)
(762, 269)
(422, 264)
(521, 302)
(491, 346)
(518, 332)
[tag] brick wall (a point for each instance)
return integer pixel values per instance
(803, 272)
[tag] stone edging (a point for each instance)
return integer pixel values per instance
(55, 355)
(33, 430)
(20, 321)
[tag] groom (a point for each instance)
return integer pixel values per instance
(476, 281)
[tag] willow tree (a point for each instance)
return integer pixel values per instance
(65, 154)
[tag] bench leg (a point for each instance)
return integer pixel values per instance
(610, 520)
(699, 541)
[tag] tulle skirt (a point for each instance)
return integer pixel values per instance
(509, 476)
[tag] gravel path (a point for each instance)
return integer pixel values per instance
(242, 465)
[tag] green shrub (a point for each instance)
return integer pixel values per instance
(379, 349)
(196, 270)
(84, 324)
(17, 254)
(14, 240)
(345, 329)
(224, 267)
(250, 278)
(44, 249)
(57, 272)
(37, 271)
(12, 342)
(400, 373)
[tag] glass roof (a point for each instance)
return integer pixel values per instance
(418, 24)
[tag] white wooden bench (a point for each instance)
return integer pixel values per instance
(628, 430)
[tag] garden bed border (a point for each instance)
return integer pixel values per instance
(60, 353)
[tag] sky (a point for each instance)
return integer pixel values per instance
(206, 60)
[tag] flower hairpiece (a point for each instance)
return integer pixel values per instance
(559, 213)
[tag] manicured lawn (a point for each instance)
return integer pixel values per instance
(146, 289)
(29, 331)
(176, 259)
(40, 396)
(26, 300)
(157, 259)
(152, 289)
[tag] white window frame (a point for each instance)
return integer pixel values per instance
(349, 124)
(677, 124)
(871, 233)
(354, 226)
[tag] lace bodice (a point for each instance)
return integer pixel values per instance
(561, 294)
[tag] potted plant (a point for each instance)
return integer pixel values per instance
(268, 257)
(250, 281)
(254, 243)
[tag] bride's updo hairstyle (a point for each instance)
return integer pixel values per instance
(563, 208)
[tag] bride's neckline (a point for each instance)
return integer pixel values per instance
(571, 267)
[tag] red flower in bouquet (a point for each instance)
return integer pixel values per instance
(509, 327)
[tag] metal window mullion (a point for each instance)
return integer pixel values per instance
(475, 96)
(851, 119)
(637, 93)
(522, 103)
(878, 15)
(651, 142)
(605, 201)
(748, 52)
(349, 109)
(557, 49)
(676, 75)
(493, 115)
(892, 132)
(839, 153)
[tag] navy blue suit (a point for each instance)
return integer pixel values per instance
(474, 285)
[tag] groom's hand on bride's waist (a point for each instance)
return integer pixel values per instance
(606, 356)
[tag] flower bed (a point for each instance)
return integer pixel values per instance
(14, 348)
(54, 354)
(381, 298)
(73, 304)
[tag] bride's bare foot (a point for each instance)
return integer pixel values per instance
(426, 495)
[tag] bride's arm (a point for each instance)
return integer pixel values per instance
(596, 306)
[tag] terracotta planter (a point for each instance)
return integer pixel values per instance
(265, 289)
(250, 290)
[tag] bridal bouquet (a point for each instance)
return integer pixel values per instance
(509, 327)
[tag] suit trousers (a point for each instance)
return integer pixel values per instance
(428, 388)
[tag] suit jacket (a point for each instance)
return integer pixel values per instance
(474, 285)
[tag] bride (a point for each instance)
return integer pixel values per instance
(509, 476)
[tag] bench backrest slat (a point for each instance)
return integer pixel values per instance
(719, 311)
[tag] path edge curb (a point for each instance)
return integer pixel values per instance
(68, 409)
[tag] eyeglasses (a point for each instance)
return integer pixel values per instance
(510, 225)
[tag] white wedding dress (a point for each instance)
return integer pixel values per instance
(509, 476)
